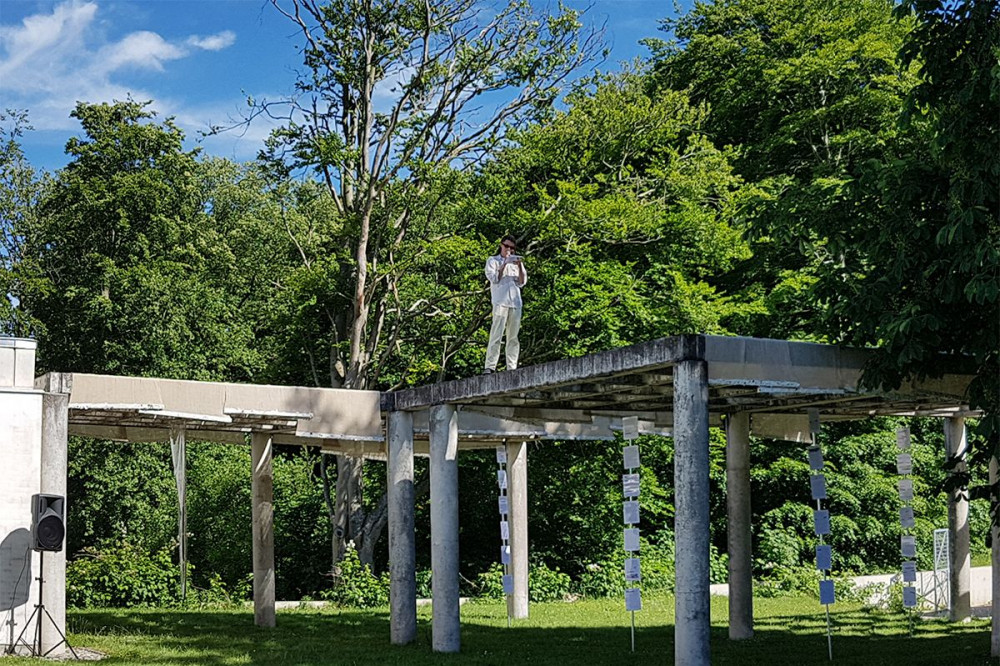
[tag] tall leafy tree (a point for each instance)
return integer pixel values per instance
(393, 95)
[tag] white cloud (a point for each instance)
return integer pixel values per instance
(48, 61)
(216, 42)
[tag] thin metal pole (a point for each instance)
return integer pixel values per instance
(633, 631)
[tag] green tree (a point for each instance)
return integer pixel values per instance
(395, 94)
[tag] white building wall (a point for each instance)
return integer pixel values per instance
(20, 478)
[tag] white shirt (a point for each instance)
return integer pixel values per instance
(504, 289)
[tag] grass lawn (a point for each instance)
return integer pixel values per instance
(788, 631)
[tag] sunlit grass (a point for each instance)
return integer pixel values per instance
(788, 631)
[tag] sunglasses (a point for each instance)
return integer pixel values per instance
(509, 247)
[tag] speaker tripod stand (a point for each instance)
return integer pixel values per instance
(35, 647)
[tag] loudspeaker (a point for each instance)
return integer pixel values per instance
(48, 528)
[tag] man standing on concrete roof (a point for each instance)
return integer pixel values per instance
(506, 274)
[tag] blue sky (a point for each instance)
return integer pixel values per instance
(196, 59)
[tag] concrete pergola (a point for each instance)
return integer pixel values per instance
(681, 386)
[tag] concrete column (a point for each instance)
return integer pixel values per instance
(445, 629)
(402, 548)
(739, 527)
(517, 497)
(691, 524)
(55, 442)
(958, 523)
(995, 560)
(263, 529)
(178, 454)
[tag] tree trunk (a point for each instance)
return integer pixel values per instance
(348, 510)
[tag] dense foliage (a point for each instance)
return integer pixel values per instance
(774, 169)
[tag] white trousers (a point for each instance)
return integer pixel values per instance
(504, 319)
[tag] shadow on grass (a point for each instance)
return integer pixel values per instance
(217, 638)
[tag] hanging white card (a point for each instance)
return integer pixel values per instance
(505, 554)
(630, 512)
(508, 584)
(817, 483)
(504, 530)
(503, 505)
(814, 421)
(632, 569)
(826, 596)
(502, 479)
(821, 521)
(630, 454)
(906, 517)
(824, 557)
(903, 437)
(815, 459)
(631, 539)
(909, 597)
(904, 463)
(905, 489)
(630, 485)
(908, 545)
(633, 599)
(630, 427)
(501, 454)
(909, 572)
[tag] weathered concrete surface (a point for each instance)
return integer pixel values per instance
(445, 628)
(402, 547)
(646, 356)
(263, 529)
(691, 482)
(55, 448)
(517, 496)
(958, 522)
(739, 532)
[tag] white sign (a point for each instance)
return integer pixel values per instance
(633, 599)
(631, 539)
(909, 572)
(502, 479)
(504, 530)
(821, 520)
(815, 459)
(904, 463)
(630, 428)
(503, 505)
(505, 554)
(630, 512)
(508, 584)
(826, 596)
(908, 545)
(824, 557)
(909, 597)
(501, 454)
(906, 517)
(817, 482)
(630, 485)
(905, 489)
(631, 456)
(903, 437)
(814, 421)
(632, 569)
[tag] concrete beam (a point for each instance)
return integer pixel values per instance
(55, 444)
(691, 482)
(263, 529)
(995, 564)
(739, 526)
(958, 523)
(517, 496)
(445, 627)
(646, 356)
(402, 546)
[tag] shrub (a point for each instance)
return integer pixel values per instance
(354, 584)
(122, 575)
(546, 584)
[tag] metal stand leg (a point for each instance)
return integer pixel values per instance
(36, 647)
